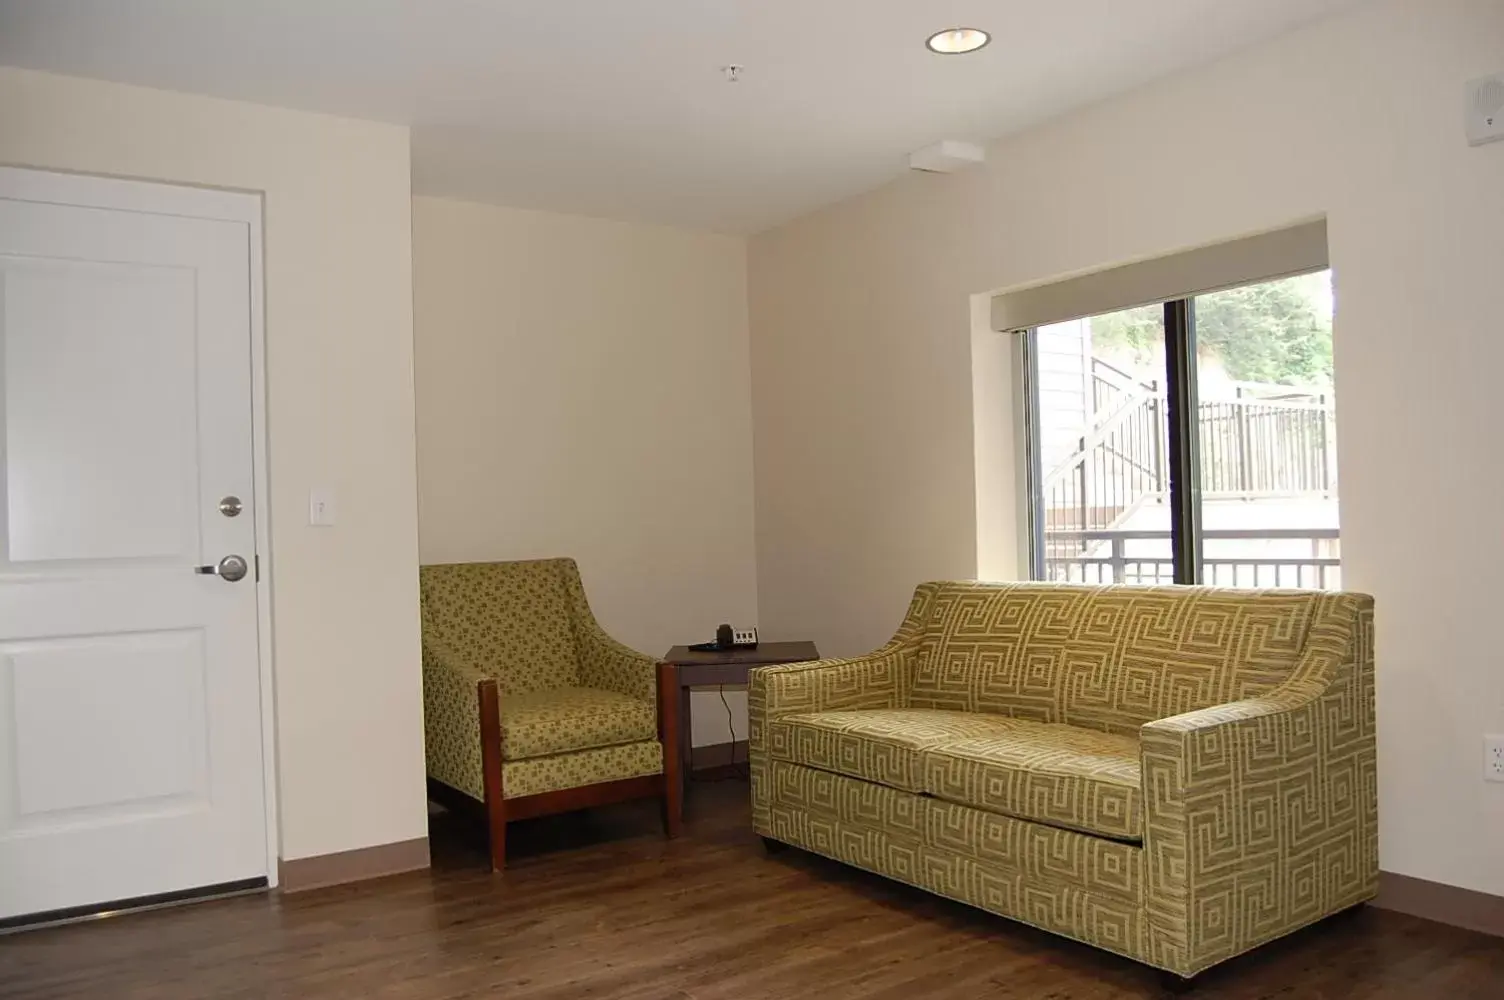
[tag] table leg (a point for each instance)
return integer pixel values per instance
(686, 749)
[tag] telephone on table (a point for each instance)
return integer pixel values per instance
(726, 638)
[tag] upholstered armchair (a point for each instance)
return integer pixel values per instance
(529, 708)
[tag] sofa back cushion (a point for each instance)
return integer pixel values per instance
(511, 619)
(1109, 658)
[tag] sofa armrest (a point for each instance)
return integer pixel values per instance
(451, 718)
(611, 666)
(1261, 815)
(877, 680)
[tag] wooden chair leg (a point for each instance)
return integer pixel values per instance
(490, 757)
(498, 840)
(668, 736)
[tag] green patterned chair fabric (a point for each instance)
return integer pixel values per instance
(1175, 774)
(541, 723)
(576, 707)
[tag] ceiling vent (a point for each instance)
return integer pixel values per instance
(947, 157)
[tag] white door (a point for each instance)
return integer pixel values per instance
(130, 688)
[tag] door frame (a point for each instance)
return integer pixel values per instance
(225, 205)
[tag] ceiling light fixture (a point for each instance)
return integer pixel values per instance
(957, 41)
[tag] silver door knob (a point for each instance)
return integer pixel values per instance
(229, 569)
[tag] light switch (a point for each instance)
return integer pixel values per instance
(321, 506)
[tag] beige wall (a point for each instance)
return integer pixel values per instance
(583, 390)
(862, 348)
(339, 411)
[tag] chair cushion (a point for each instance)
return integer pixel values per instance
(1062, 776)
(878, 745)
(1080, 779)
(537, 775)
(540, 723)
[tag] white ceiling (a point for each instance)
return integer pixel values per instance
(618, 108)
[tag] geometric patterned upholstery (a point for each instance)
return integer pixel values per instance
(1249, 716)
(576, 706)
(881, 745)
(1057, 775)
(1105, 658)
(833, 811)
(1060, 775)
(566, 719)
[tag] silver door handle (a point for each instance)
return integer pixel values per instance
(229, 569)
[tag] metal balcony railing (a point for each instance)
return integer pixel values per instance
(1266, 441)
(1246, 557)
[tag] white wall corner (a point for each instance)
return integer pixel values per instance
(997, 416)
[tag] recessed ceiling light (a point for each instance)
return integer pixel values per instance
(957, 41)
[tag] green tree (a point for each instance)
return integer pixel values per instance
(1276, 331)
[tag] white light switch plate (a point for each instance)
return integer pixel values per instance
(1493, 758)
(1485, 109)
(321, 506)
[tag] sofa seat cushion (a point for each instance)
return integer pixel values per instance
(1064, 776)
(878, 745)
(562, 720)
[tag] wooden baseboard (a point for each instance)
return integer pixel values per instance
(718, 759)
(301, 874)
(1445, 904)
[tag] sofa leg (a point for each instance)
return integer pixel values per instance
(1174, 985)
(774, 846)
(668, 736)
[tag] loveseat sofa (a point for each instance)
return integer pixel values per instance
(1175, 774)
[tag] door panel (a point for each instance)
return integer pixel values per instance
(78, 756)
(131, 761)
(99, 428)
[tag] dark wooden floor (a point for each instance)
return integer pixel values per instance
(599, 906)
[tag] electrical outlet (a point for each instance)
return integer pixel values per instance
(1493, 758)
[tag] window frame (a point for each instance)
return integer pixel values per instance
(1183, 457)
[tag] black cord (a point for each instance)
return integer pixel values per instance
(743, 771)
(739, 769)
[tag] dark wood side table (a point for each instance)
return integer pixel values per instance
(730, 666)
